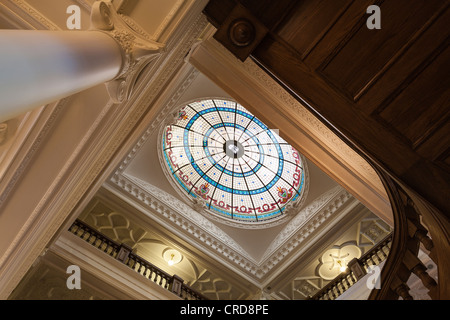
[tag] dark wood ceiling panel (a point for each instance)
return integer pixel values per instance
(306, 26)
(422, 107)
(408, 64)
(367, 51)
(270, 13)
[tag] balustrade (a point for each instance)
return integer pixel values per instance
(124, 254)
(357, 268)
(410, 235)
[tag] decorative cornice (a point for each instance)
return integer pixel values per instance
(174, 211)
(50, 120)
(170, 207)
(157, 122)
(318, 205)
(35, 15)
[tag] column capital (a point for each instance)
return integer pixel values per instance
(137, 51)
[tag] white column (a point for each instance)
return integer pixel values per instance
(39, 67)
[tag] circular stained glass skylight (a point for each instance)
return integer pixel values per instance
(224, 158)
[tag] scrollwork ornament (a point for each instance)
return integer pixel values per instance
(137, 50)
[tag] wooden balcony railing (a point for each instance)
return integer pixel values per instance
(357, 268)
(124, 254)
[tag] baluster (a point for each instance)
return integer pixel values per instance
(372, 258)
(101, 244)
(347, 281)
(383, 251)
(420, 271)
(167, 283)
(84, 232)
(329, 295)
(344, 283)
(342, 287)
(338, 290)
(341, 284)
(403, 291)
(422, 236)
(335, 290)
(151, 274)
(333, 295)
(133, 263)
(145, 271)
(413, 263)
(112, 251)
(379, 258)
(106, 247)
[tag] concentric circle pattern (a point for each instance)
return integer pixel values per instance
(221, 154)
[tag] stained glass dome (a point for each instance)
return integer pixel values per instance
(223, 157)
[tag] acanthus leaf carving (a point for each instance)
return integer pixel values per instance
(138, 51)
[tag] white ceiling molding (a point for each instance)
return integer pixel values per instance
(159, 120)
(31, 15)
(177, 212)
(174, 213)
(34, 128)
(326, 204)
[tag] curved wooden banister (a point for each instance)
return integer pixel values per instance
(393, 266)
(409, 234)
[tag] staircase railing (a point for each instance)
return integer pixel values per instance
(357, 268)
(410, 234)
(124, 254)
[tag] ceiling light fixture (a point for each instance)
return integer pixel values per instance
(172, 256)
(342, 267)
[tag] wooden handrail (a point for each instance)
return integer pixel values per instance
(409, 234)
(124, 254)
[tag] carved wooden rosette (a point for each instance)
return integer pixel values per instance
(137, 51)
